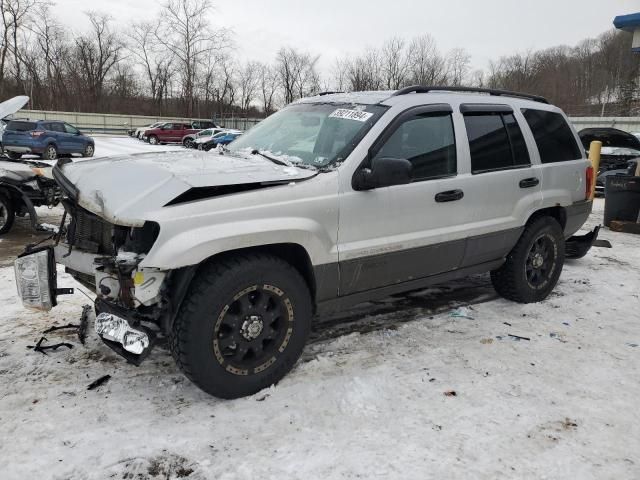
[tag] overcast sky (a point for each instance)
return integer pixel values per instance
(487, 29)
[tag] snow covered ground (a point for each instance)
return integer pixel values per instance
(412, 387)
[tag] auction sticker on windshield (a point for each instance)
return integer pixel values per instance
(351, 115)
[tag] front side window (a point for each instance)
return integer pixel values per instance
(428, 142)
(69, 129)
(57, 127)
(316, 134)
(553, 136)
(495, 142)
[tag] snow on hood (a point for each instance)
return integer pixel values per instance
(124, 189)
(13, 105)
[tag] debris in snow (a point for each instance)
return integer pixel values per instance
(61, 327)
(38, 347)
(486, 341)
(462, 312)
(450, 393)
(99, 382)
(518, 337)
(507, 324)
(262, 398)
(557, 336)
(632, 344)
(46, 227)
(81, 327)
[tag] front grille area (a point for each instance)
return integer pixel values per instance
(90, 233)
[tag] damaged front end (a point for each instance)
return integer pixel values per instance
(131, 301)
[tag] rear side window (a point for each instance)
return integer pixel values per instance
(21, 126)
(55, 127)
(428, 142)
(553, 136)
(495, 142)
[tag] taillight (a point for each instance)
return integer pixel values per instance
(36, 133)
(589, 186)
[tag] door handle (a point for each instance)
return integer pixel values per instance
(529, 182)
(449, 196)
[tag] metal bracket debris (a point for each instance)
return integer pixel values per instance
(99, 382)
(38, 347)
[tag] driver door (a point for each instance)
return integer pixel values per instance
(400, 233)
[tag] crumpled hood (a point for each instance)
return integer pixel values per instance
(124, 189)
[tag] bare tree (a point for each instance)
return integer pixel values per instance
(458, 61)
(248, 81)
(395, 65)
(184, 30)
(94, 56)
(297, 73)
(268, 85)
(426, 64)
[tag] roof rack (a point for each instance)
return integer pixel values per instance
(490, 91)
(327, 93)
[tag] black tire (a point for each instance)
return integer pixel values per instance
(187, 143)
(89, 150)
(212, 340)
(50, 153)
(153, 140)
(7, 213)
(533, 267)
(14, 155)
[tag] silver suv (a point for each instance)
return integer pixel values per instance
(332, 201)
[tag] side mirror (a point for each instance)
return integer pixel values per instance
(384, 172)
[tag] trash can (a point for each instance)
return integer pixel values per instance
(622, 199)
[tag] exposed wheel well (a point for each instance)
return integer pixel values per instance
(559, 213)
(291, 253)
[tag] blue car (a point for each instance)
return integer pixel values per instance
(222, 138)
(45, 138)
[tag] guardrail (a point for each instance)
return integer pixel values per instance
(101, 123)
(119, 124)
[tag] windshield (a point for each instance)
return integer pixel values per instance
(316, 134)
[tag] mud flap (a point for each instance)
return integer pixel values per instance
(579, 245)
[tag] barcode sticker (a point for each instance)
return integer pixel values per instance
(351, 115)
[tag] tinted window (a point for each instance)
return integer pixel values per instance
(71, 129)
(518, 146)
(55, 127)
(428, 142)
(553, 136)
(489, 142)
(21, 126)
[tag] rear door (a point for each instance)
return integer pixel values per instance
(76, 141)
(505, 187)
(56, 131)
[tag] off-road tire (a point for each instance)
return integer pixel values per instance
(210, 295)
(50, 152)
(511, 280)
(6, 207)
(153, 140)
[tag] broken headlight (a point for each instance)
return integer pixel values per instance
(116, 329)
(36, 279)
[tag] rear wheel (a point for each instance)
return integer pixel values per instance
(50, 153)
(153, 140)
(533, 267)
(242, 326)
(7, 213)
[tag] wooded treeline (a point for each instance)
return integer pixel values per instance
(180, 64)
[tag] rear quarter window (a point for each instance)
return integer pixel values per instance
(553, 136)
(21, 126)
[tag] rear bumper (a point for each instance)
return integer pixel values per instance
(22, 149)
(577, 214)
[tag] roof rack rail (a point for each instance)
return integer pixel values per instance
(327, 93)
(490, 91)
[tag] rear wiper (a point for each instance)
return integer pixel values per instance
(270, 158)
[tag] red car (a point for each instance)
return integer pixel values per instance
(169, 133)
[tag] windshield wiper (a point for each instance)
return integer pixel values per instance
(270, 158)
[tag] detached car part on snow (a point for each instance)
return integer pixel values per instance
(332, 201)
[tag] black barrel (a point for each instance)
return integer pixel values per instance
(622, 200)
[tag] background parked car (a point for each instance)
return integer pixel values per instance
(139, 132)
(193, 140)
(619, 156)
(222, 138)
(202, 124)
(169, 133)
(46, 138)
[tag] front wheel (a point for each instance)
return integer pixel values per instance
(153, 140)
(242, 326)
(188, 143)
(533, 267)
(89, 151)
(7, 213)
